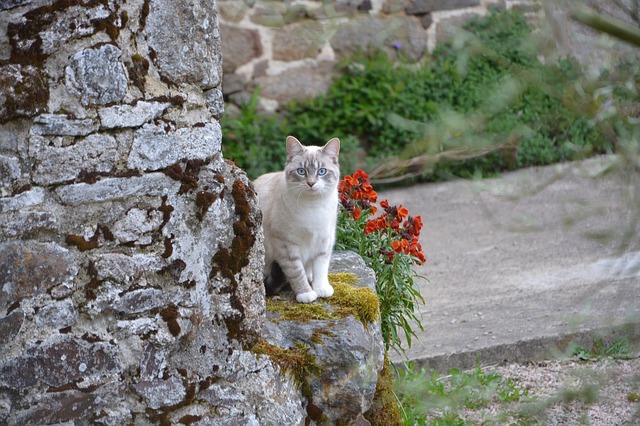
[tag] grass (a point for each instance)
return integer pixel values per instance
(430, 399)
(462, 398)
(618, 349)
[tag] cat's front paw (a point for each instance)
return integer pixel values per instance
(324, 290)
(307, 297)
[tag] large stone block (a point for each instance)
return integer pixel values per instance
(30, 268)
(9, 173)
(58, 361)
(120, 116)
(298, 41)
(97, 76)
(215, 102)
(240, 45)
(155, 148)
(124, 268)
(396, 35)
(10, 4)
(23, 224)
(160, 392)
(305, 81)
(110, 189)
(185, 39)
(41, 31)
(29, 198)
(59, 314)
(61, 125)
(95, 153)
(137, 225)
(10, 326)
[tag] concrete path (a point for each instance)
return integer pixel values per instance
(521, 266)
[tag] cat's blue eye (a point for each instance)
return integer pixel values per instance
(322, 171)
(301, 171)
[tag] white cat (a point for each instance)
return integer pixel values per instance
(299, 207)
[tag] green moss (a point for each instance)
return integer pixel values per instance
(189, 419)
(633, 397)
(384, 410)
(361, 302)
(347, 300)
(25, 96)
(297, 361)
(94, 283)
(144, 13)
(168, 247)
(300, 364)
(299, 312)
(318, 333)
(166, 210)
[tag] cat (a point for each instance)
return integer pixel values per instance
(299, 207)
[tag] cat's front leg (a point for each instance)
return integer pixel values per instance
(294, 271)
(321, 276)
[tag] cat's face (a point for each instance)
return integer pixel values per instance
(312, 170)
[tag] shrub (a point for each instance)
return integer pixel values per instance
(465, 81)
(255, 141)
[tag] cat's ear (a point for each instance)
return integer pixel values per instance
(294, 147)
(332, 149)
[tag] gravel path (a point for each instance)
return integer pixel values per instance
(600, 393)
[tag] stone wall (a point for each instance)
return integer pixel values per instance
(130, 250)
(289, 48)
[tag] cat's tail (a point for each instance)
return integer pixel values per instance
(275, 281)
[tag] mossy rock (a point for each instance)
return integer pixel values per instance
(332, 347)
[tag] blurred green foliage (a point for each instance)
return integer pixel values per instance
(432, 399)
(358, 105)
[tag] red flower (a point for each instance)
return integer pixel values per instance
(413, 226)
(370, 227)
(400, 246)
(402, 212)
(356, 213)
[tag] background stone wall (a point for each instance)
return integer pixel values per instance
(290, 48)
(130, 251)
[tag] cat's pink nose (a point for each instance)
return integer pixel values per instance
(311, 184)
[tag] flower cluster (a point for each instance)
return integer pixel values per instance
(357, 196)
(387, 238)
(408, 231)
